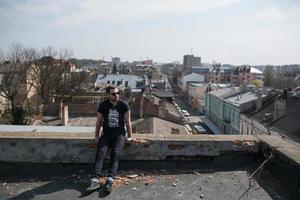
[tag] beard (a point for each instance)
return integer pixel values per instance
(114, 99)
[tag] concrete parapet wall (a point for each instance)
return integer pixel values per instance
(80, 147)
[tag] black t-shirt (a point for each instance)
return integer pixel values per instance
(113, 117)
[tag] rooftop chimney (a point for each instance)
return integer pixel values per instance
(141, 113)
(60, 110)
(259, 100)
(280, 105)
(65, 115)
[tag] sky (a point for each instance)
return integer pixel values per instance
(254, 32)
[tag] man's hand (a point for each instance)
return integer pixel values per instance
(96, 139)
(128, 140)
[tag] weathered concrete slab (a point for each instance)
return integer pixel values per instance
(283, 147)
(80, 147)
(65, 129)
(169, 184)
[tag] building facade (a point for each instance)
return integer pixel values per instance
(223, 107)
(244, 75)
(196, 95)
(190, 78)
(121, 80)
(190, 61)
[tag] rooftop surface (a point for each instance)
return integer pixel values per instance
(160, 167)
(242, 98)
(70, 183)
(289, 124)
(225, 92)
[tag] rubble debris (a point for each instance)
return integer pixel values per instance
(195, 172)
(233, 177)
(123, 179)
(138, 141)
(170, 178)
(132, 176)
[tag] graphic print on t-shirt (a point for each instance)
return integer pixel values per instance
(113, 118)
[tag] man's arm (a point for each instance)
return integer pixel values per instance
(98, 124)
(128, 123)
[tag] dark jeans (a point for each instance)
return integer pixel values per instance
(116, 144)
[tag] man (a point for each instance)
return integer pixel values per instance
(111, 115)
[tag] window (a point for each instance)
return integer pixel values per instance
(113, 82)
(134, 129)
(126, 83)
(118, 83)
(175, 131)
(108, 82)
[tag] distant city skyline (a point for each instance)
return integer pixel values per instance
(227, 31)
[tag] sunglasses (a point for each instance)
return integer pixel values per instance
(115, 93)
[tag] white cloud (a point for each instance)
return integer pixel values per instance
(257, 36)
(276, 15)
(80, 12)
(271, 14)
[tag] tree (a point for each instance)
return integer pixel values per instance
(14, 85)
(114, 70)
(61, 80)
(1, 56)
(53, 75)
(216, 67)
(44, 71)
(30, 76)
(269, 75)
(257, 83)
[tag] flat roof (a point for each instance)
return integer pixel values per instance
(242, 98)
(200, 183)
(225, 92)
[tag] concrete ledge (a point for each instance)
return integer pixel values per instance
(283, 148)
(55, 147)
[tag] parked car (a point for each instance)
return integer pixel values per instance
(183, 118)
(200, 129)
(185, 113)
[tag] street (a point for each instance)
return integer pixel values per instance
(194, 117)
